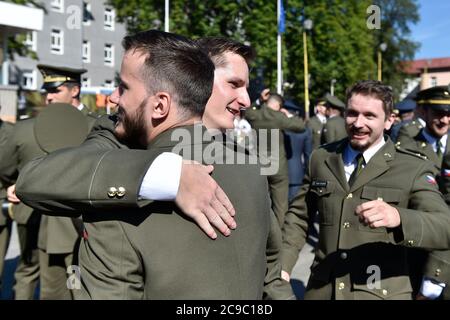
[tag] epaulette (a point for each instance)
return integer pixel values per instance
(410, 152)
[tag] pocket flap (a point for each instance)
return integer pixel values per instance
(386, 194)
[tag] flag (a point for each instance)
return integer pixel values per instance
(430, 179)
(446, 173)
(281, 20)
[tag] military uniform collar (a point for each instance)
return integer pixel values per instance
(428, 137)
(350, 153)
(186, 135)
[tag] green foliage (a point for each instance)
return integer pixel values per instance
(340, 45)
(16, 44)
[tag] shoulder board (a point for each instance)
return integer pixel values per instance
(410, 152)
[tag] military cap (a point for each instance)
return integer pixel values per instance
(56, 76)
(406, 105)
(334, 102)
(436, 97)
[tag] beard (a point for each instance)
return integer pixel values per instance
(134, 133)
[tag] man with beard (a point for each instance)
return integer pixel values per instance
(231, 79)
(373, 201)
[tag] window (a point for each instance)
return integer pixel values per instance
(57, 41)
(57, 5)
(86, 51)
(87, 14)
(85, 82)
(110, 16)
(30, 40)
(434, 81)
(109, 54)
(108, 84)
(29, 79)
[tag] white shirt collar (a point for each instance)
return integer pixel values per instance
(80, 107)
(432, 140)
(321, 118)
(422, 122)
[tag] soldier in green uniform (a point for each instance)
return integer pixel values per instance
(374, 201)
(270, 118)
(431, 142)
(47, 242)
(112, 191)
(317, 122)
(188, 247)
(334, 129)
(5, 219)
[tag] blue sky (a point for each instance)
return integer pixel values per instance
(433, 29)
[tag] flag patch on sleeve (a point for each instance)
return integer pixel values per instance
(431, 179)
(446, 172)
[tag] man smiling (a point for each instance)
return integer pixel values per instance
(373, 201)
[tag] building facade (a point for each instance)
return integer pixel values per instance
(75, 34)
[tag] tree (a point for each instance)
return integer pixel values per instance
(340, 46)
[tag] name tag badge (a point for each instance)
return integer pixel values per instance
(319, 184)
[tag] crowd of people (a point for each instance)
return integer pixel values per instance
(128, 201)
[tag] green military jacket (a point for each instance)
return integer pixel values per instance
(435, 265)
(96, 158)
(156, 253)
(6, 129)
(350, 253)
(56, 234)
(316, 127)
(408, 131)
(266, 118)
(334, 130)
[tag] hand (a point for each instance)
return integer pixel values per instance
(264, 96)
(11, 192)
(285, 276)
(201, 198)
(286, 113)
(378, 213)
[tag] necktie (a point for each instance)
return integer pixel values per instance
(439, 150)
(359, 166)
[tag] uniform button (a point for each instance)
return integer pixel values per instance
(349, 196)
(120, 192)
(343, 255)
(341, 286)
(384, 292)
(346, 225)
(112, 192)
(437, 273)
(410, 243)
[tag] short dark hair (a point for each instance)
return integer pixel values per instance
(375, 89)
(216, 47)
(71, 85)
(174, 64)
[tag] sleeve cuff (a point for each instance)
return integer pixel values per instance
(431, 289)
(162, 179)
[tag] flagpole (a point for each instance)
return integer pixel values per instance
(279, 71)
(166, 16)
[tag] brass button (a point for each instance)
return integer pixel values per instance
(112, 192)
(120, 192)
(423, 144)
(320, 190)
(437, 272)
(343, 255)
(346, 225)
(384, 292)
(380, 198)
(410, 243)
(349, 196)
(341, 286)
